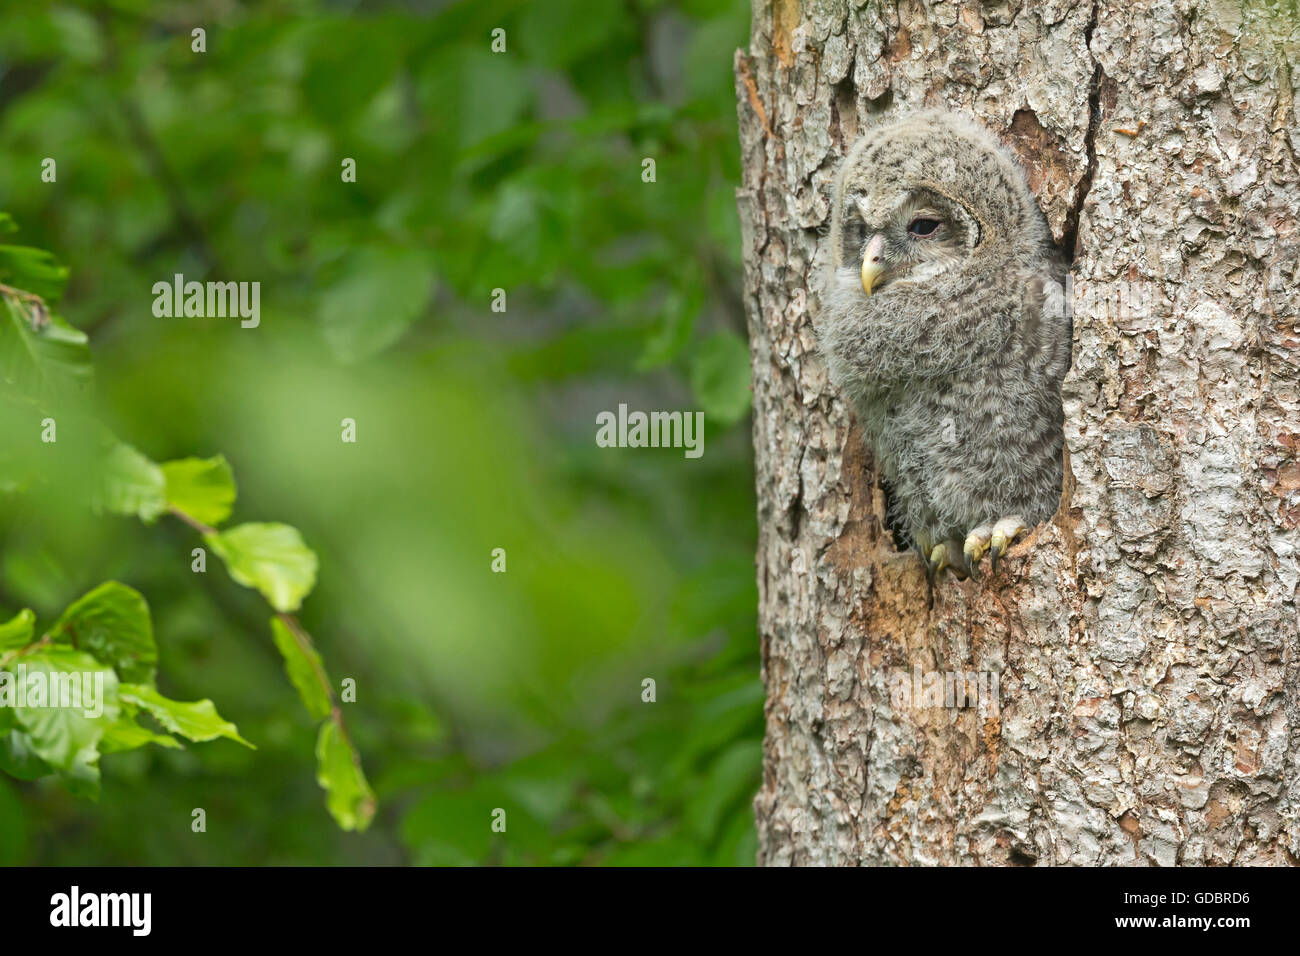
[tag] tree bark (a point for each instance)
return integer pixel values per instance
(1145, 641)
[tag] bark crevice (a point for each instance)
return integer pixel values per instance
(1070, 242)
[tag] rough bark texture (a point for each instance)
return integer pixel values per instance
(1145, 640)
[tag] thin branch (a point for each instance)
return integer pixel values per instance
(44, 640)
(308, 648)
(40, 312)
(304, 642)
(300, 635)
(172, 187)
(194, 523)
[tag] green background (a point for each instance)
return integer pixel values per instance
(475, 429)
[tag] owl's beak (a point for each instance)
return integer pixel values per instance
(873, 262)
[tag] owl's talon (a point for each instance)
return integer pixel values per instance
(977, 543)
(1004, 533)
(945, 556)
(936, 562)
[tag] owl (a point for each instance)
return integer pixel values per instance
(941, 312)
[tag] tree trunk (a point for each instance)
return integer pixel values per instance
(1144, 642)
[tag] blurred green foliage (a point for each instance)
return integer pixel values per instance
(475, 171)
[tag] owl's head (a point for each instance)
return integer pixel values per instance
(929, 199)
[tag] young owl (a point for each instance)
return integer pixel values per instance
(943, 319)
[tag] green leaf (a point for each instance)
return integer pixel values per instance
(738, 844)
(197, 720)
(720, 377)
(495, 91)
(670, 849)
(19, 760)
(33, 270)
(305, 670)
(375, 302)
(40, 354)
(126, 734)
(561, 32)
(17, 631)
(203, 488)
(269, 557)
(131, 484)
(673, 331)
(723, 717)
(58, 729)
(732, 778)
(336, 81)
(453, 827)
(13, 826)
(112, 623)
(338, 769)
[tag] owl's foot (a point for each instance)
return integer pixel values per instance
(938, 558)
(993, 538)
(945, 556)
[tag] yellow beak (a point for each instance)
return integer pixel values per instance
(873, 263)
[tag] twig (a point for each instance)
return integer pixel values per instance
(25, 650)
(194, 523)
(40, 312)
(304, 642)
(147, 143)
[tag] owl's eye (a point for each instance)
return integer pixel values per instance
(923, 227)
